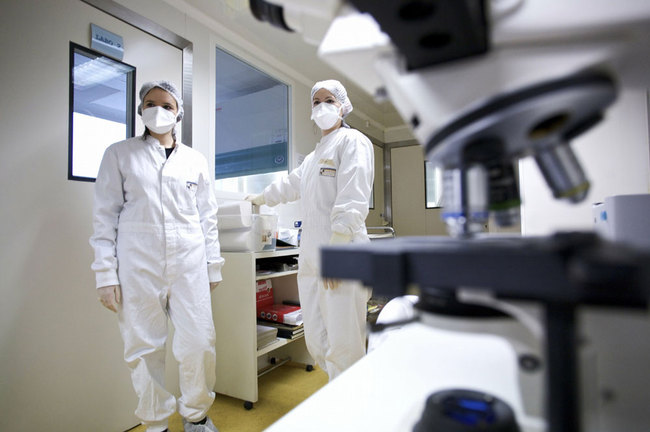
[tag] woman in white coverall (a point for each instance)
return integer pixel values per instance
(334, 184)
(157, 255)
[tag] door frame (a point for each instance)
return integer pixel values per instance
(126, 15)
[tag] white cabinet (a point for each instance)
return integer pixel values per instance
(239, 362)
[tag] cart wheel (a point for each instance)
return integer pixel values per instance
(309, 368)
(248, 405)
(273, 360)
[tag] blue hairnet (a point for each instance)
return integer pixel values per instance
(339, 92)
(170, 88)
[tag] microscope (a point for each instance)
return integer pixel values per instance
(484, 84)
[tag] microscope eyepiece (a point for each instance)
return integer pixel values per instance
(268, 12)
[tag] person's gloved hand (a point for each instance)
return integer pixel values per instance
(331, 283)
(213, 285)
(336, 238)
(110, 296)
(256, 199)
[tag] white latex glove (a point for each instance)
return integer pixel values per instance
(213, 285)
(331, 283)
(257, 200)
(336, 238)
(110, 296)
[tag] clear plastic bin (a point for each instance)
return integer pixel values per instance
(261, 235)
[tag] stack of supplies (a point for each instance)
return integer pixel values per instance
(242, 231)
(282, 313)
(285, 319)
(265, 335)
(286, 331)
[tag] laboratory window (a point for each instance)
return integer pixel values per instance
(433, 185)
(101, 110)
(251, 126)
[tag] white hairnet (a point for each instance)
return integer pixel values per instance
(170, 88)
(339, 92)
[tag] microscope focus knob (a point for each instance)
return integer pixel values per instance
(461, 410)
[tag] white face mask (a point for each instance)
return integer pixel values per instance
(325, 115)
(158, 119)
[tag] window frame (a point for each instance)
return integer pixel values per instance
(130, 103)
(426, 189)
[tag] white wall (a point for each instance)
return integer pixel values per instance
(410, 215)
(375, 214)
(616, 158)
(58, 350)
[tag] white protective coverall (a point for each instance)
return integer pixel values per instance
(334, 184)
(155, 234)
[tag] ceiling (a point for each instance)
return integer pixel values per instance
(287, 48)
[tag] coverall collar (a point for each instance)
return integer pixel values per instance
(330, 136)
(154, 142)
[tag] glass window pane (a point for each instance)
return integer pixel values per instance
(101, 109)
(251, 118)
(252, 184)
(433, 185)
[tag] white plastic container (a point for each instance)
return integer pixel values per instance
(259, 236)
(624, 218)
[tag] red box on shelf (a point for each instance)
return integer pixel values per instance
(281, 313)
(264, 294)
